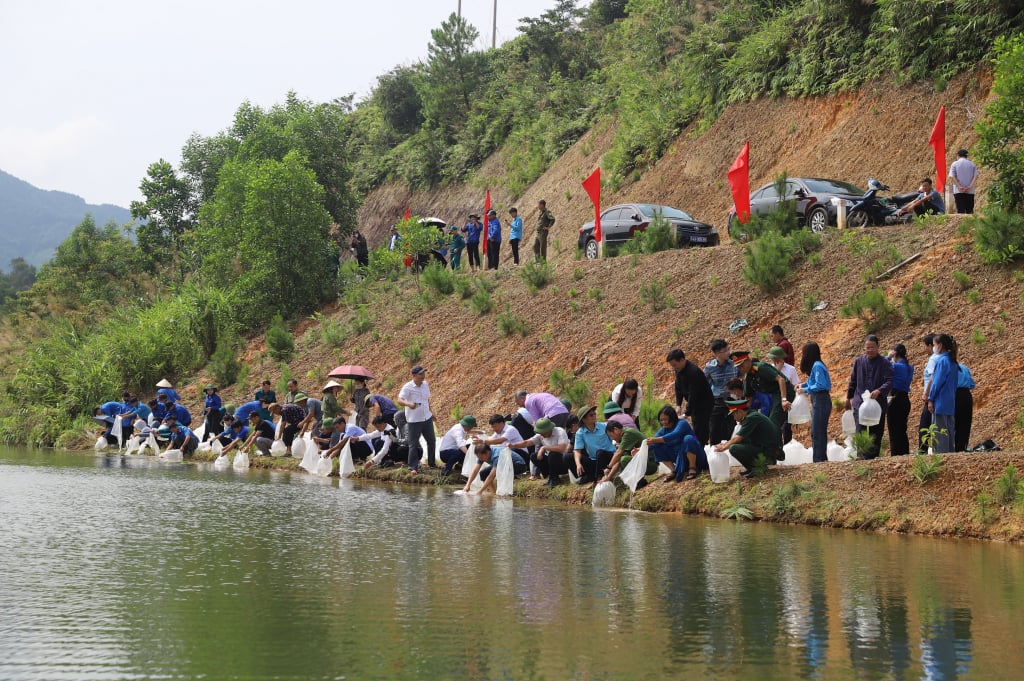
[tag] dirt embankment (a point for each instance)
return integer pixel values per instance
(592, 320)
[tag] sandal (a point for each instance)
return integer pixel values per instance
(690, 475)
(671, 477)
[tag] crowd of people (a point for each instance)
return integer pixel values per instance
(736, 402)
(480, 235)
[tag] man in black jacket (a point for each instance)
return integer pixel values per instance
(692, 385)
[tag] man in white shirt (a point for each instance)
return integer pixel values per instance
(964, 175)
(550, 445)
(383, 431)
(455, 443)
(415, 397)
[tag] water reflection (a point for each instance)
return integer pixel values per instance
(122, 567)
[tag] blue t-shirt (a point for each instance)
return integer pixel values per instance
(472, 230)
(114, 408)
(387, 407)
(171, 394)
(179, 438)
(142, 411)
(243, 411)
(496, 453)
(902, 376)
(516, 229)
(933, 201)
(181, 414)
(494, 229)
(212, 403)
(594, 442)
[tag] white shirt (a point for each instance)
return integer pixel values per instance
(556, 437)
(420, 394)
(634, 409)
(509, 433)
(963, 171)
(789, 371)
(384, 435)
(455, 438)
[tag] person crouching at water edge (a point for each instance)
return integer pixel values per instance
(178, 436)
(758, 436)
(487, 466)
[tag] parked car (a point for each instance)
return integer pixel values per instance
(621, 223)
(810, 197)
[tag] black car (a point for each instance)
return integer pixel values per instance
(811, 197)
(620, 223)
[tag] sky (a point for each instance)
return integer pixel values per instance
(94, 92)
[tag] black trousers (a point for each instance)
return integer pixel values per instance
(514, 243)
(721, 423)
(592, 469)
(964, 204)
(473, 253)
(700, 419)
(922, 427)
(897, 415)
(963, 416)
(493, 252)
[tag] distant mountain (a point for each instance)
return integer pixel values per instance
(34, 221)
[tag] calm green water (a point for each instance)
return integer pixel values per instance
(123, 568)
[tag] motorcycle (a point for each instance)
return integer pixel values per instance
(872, 209)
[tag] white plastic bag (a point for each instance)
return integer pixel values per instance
(324, 466)
(834, 451)
(216, 447)
(468, 461)
(796, 454)
(849, 423)
(718, 462)
(506, 473)
(634, 471)
(604, 494)
(101, 443)
(298, 448)
(870, 413)
(204, 447)
(172, 455)
(346, 466)
(222, 461)
(133, 445)
(309, 459)
(278, 448)
(307, 441)
(152, 444)
(118, 431)
(241, 461)
(800, 410)
(200, 432)
(849, 453)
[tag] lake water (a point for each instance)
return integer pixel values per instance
(127, 568)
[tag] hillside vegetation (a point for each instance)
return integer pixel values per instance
(247, 227)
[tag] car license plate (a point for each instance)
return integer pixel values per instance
(697, 239)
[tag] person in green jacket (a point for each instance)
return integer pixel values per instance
(455, 245)
(761, 377)
(758, 435)
(627, 441)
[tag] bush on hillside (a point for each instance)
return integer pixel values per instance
(999, 236)
(919, 304)
(767, 262)
(537, 275)
(659, 236)
(871, 306)
(280, 342)
(439, 278)
(224, 364)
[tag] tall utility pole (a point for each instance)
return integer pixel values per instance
(494, 26)
(460, 9)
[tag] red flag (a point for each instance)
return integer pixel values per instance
(487, 207)
(937, 142)
(408, 215)
(592, 185)
(739, 183)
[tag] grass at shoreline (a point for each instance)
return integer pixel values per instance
(881, 495)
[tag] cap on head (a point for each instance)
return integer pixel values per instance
(611, 407)
(468, 422)
(735, 405)
(301, 397)
(328, 423)
(544, 426)
(583, 412)
(417, 370)
(776, 353)
(740, 356)
(164, 383)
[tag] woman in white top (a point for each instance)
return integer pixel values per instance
(628, 395)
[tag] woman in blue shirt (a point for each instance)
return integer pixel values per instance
(472, 231)
(676, 443)
(213, 409)
(964, 409)
(818, 388)
(515, 233)
(899, 405)
(942, 394)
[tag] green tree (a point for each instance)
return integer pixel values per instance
(399, 101)
(454, 73)
(166, 214)
(1001, 134)
(92, 266)
(265, 237)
